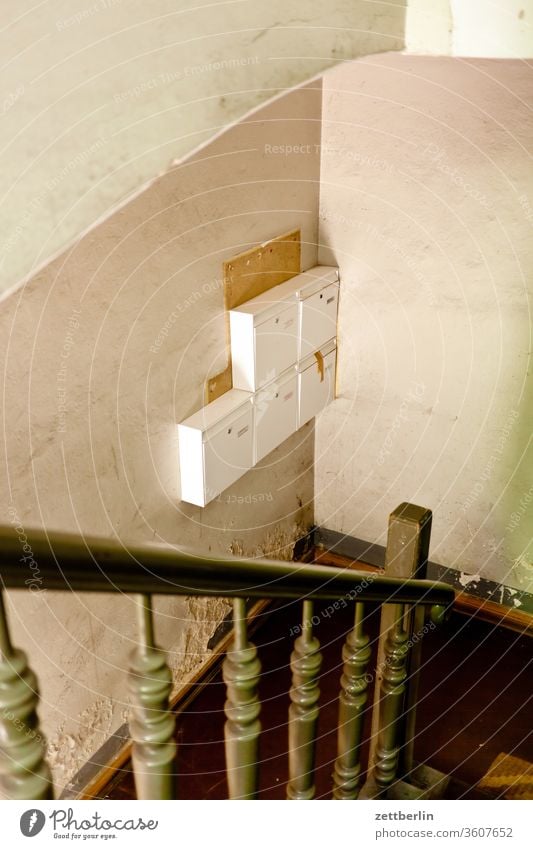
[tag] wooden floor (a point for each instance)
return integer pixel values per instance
(475, 701)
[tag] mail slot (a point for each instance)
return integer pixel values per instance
(275, 413)
(318, 319)
(216, 447)
(316, 382)
(264, 340)
(273, 331)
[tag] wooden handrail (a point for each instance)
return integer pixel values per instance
(60, 561)
(41, 560)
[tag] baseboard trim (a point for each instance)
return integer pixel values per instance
(488, 600)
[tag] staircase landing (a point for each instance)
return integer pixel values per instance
(475, 702)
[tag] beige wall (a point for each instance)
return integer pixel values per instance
(97, 375)
(485, 28)
(427, 207)
(98, 96)
(424, 205)
(472, 28)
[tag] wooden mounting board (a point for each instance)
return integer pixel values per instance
(250, 274)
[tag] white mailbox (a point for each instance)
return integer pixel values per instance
(264, 339)
(216, 447)
(275, 413)
(316, 382)
(273, 331)
(318, 316)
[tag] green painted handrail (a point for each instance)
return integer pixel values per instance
(95, 564)
(68, 562)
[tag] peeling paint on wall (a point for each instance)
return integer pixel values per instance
(204, 615)
(523, 572)
(278, 544)
(68, 751)
(465, 579)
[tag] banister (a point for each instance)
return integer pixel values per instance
(61, 561)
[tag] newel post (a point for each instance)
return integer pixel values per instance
(406, 557)
(392, 771)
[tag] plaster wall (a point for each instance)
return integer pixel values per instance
(102, 353)
(99, 96)
(479, 28)
(427, 207)
(499, 30)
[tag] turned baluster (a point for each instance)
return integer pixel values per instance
(391, 703)
(303, 711)
(24, 773)
(241, 670)
(352, 700)
(152, 724)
